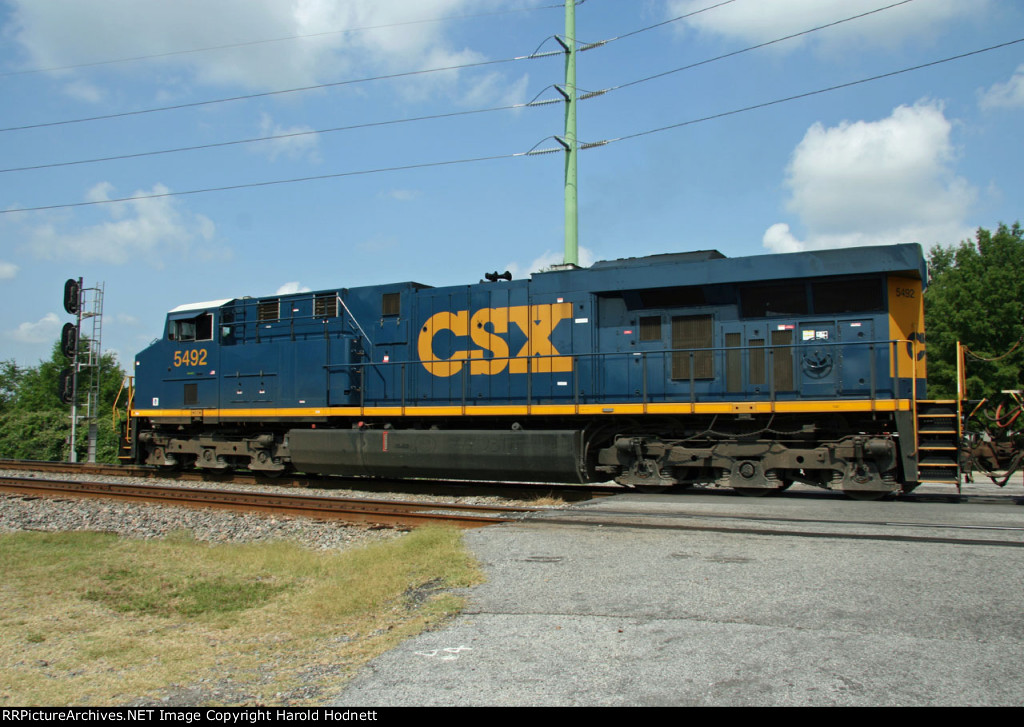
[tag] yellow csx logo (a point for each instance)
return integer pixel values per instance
(484, 329)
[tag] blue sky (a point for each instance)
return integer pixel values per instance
(925, 156)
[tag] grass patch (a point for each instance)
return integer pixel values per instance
(549, 500)
(177, 593)
(92, 619)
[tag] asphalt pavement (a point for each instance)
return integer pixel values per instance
(880, 612)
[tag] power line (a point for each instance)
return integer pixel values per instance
(585, 96)
(532, 152)
(251, 185)
(273, 137)
(814, 93)
(263, 94)
(243, 44)
(746, 50)
(598, 44)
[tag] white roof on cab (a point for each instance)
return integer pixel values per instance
(200, 306)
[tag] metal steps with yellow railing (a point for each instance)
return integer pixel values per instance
(124, 426)
(938, 441)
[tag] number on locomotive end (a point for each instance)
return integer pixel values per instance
(191, 357)
(904, 292)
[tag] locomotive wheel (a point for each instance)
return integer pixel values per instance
(173, 466)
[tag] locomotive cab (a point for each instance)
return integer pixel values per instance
(178, 371)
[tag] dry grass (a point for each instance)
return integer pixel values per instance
(91, 619)
(549, 500)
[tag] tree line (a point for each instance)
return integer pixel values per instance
(975, 295)
(36, 424)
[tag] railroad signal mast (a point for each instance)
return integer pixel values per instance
(81, 380)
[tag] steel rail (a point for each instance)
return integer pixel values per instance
(388, 512)
(140, 470)
(511, 490)
(884, 523)
(635, 521)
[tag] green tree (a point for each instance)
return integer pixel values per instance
(976, 296)
(36, 424)
(10, 376)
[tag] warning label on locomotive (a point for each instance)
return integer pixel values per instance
(486, 332)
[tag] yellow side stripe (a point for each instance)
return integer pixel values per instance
(758, 407)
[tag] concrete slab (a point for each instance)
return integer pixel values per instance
(585, 615)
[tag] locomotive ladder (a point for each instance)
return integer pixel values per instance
(124, 428)
(938, 442)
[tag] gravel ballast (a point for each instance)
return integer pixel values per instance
(18, 512)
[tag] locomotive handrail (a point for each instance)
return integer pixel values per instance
(643, 394)
(310, 320)
(615, 382)
(126, 382)
(356, 321)
(800, 344)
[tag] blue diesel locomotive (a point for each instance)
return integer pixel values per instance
(657, 371)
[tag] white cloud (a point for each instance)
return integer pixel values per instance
(494, 88)
(757, 22)
(1005, 95)
(84, 91)
(65, 32)
(880, 182)
(778, 238)
(7, 270)
(44, 330)
(101, 192)
(153, 230)
(297, 146)
(291, 288)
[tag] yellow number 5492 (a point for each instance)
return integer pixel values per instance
(192, 357)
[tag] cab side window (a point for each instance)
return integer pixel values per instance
(199, 328)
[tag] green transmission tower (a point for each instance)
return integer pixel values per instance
(569, 141)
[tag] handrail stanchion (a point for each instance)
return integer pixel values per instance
(575, 384)
(643, 365)
(693, 388)
(874, 374)
(894, 367)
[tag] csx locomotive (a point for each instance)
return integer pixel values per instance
(657, 371)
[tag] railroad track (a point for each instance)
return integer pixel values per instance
(125, 470)
(411, 514)
(385, 512)
(740, 523)
(514, 491)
